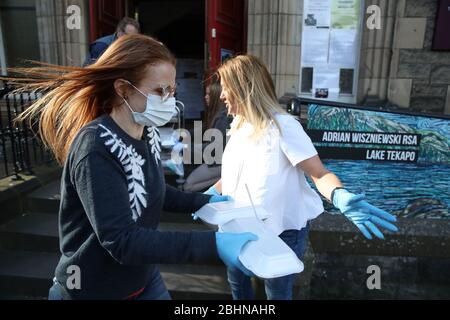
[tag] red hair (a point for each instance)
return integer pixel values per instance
(74, 96)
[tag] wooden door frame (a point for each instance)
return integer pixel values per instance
(208, 30)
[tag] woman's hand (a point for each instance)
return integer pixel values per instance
(364, 215)
(216, 194)
(229, 246)
(216, 197)
(212, 191)
(219, 198)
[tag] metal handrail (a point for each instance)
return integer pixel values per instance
(20, 148)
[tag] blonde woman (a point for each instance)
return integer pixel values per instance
(101, 124)
(270, 153)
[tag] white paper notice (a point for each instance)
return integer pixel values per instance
(343, 47)
(326, 78)
(315, 46)
(317, 13)
(330, 42)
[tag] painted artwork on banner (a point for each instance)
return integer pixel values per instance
(401, 162)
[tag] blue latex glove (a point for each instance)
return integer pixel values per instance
(212, 191)
(216, 197)
(219, 199)
(364, 215)
(229, 246)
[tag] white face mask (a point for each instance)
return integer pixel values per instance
(157, 111)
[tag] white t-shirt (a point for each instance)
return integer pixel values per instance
(268, 167)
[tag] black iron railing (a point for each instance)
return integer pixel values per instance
(20, 148)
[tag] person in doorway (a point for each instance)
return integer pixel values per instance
(101, 124)
(217, 118)
(270, 153)
(125, 26)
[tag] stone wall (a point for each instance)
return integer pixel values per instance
(58, 44)
(18, 21)
(376, 55)
(413, 262)
(274, 35)
(397, 66)
(416, 66)
(339, 276)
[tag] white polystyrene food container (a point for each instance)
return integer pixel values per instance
(268, 257)
(219, 213)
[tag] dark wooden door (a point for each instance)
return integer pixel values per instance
(441, 39)
(104, 16)
(225, 32)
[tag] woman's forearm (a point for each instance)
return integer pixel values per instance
(218, 186)
(327, 183)
(324, 180)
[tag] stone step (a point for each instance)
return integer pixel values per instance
(45, 199)
(39, 232)
(26, 273)
(196, 282)
(20, 297)
(415, 238)
(29, 275)
(30, 232)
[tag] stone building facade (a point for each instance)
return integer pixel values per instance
(59, 44)
(397, 66)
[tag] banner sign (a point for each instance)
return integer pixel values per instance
(383, 141)
(401, 162)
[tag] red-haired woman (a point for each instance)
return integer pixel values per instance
(100, 122)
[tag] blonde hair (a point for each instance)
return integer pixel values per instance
(251, 88)
(74, 96)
